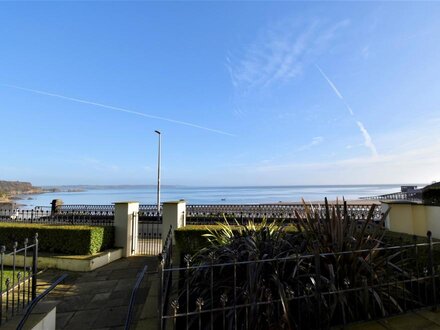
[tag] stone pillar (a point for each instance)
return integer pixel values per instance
(173, 214)
(56, 206)
(126, 227)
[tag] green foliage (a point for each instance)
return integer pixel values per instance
(302, 262)
(7, 274)
(59, 239)
(332, 231)
(193, 238)
(241, 243)
(431, 194)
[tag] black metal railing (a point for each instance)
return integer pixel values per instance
(165, 278)
(18, 278)
(149, 240)
(92, 218)
(134, 299)
(37, 299)
(195, 213)
(206, 214)
(102, 208)
(398, 196)
(309, 291)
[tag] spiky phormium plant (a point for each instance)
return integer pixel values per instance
(308, 279)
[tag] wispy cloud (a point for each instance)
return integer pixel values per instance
(99, 165)
(366, 52)
(106, 106)
(368, 141)
(416, 165)
(315, 141)
(416, 156)
(280, 53)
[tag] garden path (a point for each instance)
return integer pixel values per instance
(97, 299)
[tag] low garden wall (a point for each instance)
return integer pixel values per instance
(414, 218)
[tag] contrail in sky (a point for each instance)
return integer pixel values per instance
(119, 109)
(333, 86)
(368, 141)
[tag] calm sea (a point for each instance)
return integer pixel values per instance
(211, 195)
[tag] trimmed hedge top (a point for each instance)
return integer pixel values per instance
(190, 239)
(59, 239)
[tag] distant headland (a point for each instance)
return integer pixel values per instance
(9, 190)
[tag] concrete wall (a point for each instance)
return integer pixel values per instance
(73, 263)
(433, 223)
(413, 218)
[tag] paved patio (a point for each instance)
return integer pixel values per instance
(97, 299)
(423, 319)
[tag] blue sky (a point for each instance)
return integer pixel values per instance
(248, 93)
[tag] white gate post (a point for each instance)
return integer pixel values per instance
(126, 227)
(173, 214)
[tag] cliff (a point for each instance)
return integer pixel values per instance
(11, 188)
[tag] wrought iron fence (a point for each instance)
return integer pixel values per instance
(18, 278)
(195, 214)
(310, 291)
(98, 218)
(35, 301)
(204, 214)
(102, 208)
(165, 277)
(398, 196)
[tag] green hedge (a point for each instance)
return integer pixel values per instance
(431, 195)
(59, 239)
(189, 239)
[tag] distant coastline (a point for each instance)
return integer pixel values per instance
(11, 191)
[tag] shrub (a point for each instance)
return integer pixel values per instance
(431, 194)
(193, 238)
(59, 239)
(299, 264)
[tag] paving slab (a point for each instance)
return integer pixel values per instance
(433, 316)
(416, 320)
(409, 321)
(98, 299)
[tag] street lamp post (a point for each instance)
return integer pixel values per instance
(158, 175)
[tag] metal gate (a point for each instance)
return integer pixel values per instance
(149, 238)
